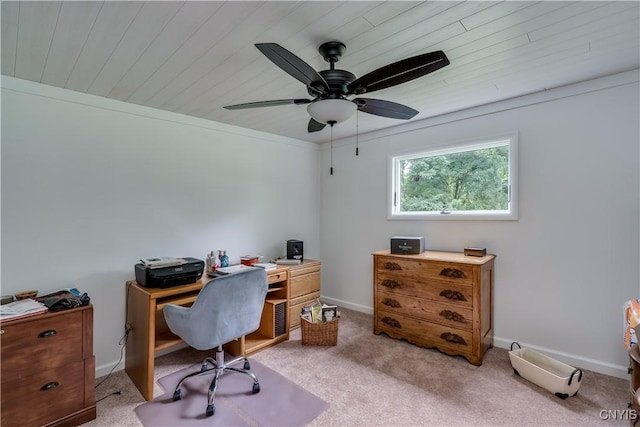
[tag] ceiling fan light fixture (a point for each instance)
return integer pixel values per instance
(331, 110)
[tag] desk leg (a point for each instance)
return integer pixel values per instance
(140, 349)
(236, 347)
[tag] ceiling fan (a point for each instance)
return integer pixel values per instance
(331, 88)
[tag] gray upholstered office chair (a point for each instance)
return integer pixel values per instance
(226, 309)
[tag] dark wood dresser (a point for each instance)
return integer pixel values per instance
(436, 299)
(48, 369)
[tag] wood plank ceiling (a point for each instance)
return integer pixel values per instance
(194, 57)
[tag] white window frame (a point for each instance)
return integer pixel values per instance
(393, 181)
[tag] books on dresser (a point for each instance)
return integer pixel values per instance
(265, 265)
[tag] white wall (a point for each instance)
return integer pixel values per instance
(564, 269)
(90, 186)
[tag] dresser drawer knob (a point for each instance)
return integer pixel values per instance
(391, 284)
(47, 334)
(49, 386)
(453, 338)
(392, 266)
(452, 315)
(453, 273)
(389, 302)
(452, 295)
(391, 322)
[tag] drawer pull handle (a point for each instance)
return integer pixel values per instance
(453, 338)
(391, 284)
(453, 273)
(47, 334)
(452, 315)
(453, 295)
(49, 386)
(392, 266)
(391, 303)
(391, 322)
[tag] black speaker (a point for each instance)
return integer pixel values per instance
(294, 249)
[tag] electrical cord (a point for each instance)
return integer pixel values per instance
(118, 393)
(128, 327)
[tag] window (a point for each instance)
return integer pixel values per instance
(471, 180)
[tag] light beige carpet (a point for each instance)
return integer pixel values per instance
(371, 380)
(280, 402)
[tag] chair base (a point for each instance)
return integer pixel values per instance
(218, 367)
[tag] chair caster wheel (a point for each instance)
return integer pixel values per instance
(177, 395)
(246, 366)
(211, 409)
(256, 388)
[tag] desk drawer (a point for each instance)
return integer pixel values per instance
(296, 307)
(51, 341)
(305, 268)
(43, 396)
(302, 285)
(276, 277)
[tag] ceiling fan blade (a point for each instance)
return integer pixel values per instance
(273, 103)
(294, 66)
(399, 72)
(315, 126)
(383, 108)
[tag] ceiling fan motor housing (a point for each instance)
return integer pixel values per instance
(338, 81)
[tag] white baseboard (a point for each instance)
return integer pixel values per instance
(346, 304)
(105, 369)
(570, 359)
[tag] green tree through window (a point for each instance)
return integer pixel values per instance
(470, 180)
(466, 181)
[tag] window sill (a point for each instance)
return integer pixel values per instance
(507, 216)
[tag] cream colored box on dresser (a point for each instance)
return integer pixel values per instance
(48, 369)
(305, 287)
(436, 299)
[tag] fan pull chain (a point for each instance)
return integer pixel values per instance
(331, 123)
(357, 131)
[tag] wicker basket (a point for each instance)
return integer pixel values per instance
(325, 333)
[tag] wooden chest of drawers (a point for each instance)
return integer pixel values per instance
(48, 369)
(305, 287)
(436, 299)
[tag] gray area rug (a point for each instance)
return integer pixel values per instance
(280, 402)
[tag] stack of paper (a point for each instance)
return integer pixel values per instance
(284, 261)
(266, 265)
(162, 262)
(19, 309)
(233, 268)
